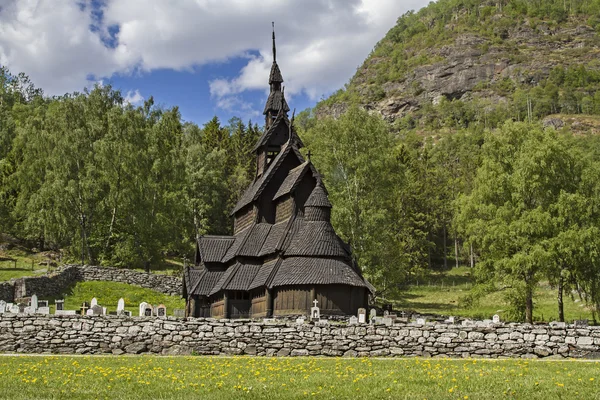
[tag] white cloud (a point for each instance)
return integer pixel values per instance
(134, 98)
(320, 42)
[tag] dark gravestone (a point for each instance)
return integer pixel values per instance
(148, 312)
(97, 310)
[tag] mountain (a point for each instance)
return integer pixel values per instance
(456, 63)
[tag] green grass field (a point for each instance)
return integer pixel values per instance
(148, 377)
(109, 293)
(441, 293)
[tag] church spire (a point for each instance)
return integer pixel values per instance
(274, 48)
(276, 100)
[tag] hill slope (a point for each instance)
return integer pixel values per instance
(516, 59)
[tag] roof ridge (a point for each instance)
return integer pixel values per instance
(271, 276)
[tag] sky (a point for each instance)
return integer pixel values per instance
(208, 57)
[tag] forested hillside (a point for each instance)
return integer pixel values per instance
(468, 137)
(111, 183)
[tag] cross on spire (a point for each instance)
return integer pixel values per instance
(315, 301)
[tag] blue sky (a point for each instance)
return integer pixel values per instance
(209, 57)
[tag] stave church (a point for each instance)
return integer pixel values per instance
(284, 252)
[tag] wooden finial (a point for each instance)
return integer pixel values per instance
(274, 49)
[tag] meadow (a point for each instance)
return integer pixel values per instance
(145, 377)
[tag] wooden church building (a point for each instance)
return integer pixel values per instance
(284, 252)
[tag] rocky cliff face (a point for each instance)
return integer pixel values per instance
(470, 62)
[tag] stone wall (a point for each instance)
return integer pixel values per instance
(58, 282)
(118, 335)
(171, 285)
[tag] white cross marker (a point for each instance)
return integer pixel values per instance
(316, 302)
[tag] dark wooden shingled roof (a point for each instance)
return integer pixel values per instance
(264, 273)
(206, 282)
(237, 277)
(275, 234)
(316, 239)
(281, 118)
(256, 188)
(318, 197)
(316, 271)
(276, 102)
(275, 74)
(240, 239)
(191, 276)
(213, 248)
(254, 243)
(292, 180)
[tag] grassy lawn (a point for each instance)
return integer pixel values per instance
(148, 377)
(109, 293)
(441, 294)
(27, 264)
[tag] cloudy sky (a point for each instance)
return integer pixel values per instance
(209, 57)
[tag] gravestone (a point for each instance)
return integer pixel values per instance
(386, 313)
(362, 315)
(353, 320)
(420, 321)
(372, 314)
(2, 306)
(315, 312)
(179, 313)
(43, 310)
(450, 320)
(120, 306)
(387, 321)
(496, 319)
(161, 311)
(43, 303)
(97, 310)
(126, 313)
(14, 308)
(94, 302)
(29, 310)
(34, 302)
(89, 311)
(300, 320)
(581, 323)
(60, 304)
(143, 306)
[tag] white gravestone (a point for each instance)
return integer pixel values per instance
(94, 302)
(496, 319)
(143, 306)
(14, 308)
(34, 302)
(353, 320)
(30, 310)
(387, 321)
(89, 312)
(2, 306)
(420, 321)
(362, 316)
(315, 312)
(43, 310)
(120, 306)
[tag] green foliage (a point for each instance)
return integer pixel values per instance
(113, 183)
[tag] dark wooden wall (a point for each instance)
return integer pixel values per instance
(243, 219)
(284, 209)
(258, 307)
(265, 202)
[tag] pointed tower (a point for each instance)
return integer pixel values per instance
(276, 101)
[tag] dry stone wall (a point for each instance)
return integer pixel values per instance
(135, 335)
(58, 282)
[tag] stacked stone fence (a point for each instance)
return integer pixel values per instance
(170, 336)
(58, 282)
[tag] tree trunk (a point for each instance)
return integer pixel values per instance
(445, 250)
(561, 309)
(471, 256)
(456, 251)
(529, 305)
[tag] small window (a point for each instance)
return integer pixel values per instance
(271, 156)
